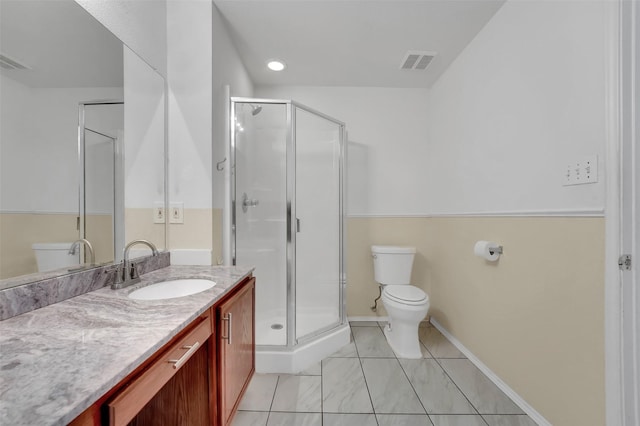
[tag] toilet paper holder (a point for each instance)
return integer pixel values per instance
(496, 250)
(488, 250)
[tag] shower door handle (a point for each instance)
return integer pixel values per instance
(297, 225)
(246, 202)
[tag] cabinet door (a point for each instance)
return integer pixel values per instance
(175, 384)
(236, 346)
(183, 401)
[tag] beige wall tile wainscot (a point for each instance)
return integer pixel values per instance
(535, 317)
(217, 236)
(138, 225)
(195, 233)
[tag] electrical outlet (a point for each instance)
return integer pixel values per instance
(582, 171)
(158, 212)
(176, 213)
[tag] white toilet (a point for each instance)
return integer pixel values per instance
(406, 305)
(50, 256)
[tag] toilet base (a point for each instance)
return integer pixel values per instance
(403, 339)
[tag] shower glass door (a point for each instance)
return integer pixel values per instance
(286, 216)
(318, 213)
(259, 145)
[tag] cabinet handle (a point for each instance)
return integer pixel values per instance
(227, 318)
(177, 363)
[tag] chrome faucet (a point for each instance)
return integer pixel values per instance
(76, 244)
(127, 273)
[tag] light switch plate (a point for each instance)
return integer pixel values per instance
(581, 171)
(176, 213)
(158, 212)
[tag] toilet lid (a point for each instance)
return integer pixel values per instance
(407, 294)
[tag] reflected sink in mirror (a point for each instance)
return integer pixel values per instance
(172, 289)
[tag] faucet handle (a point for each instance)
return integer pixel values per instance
(133, 271)
(126, 275)
(121, 274)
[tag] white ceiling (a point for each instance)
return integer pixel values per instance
(62, 44)
(351, 42)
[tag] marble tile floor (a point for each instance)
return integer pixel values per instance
(364, 384)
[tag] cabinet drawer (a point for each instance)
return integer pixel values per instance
(124, 407)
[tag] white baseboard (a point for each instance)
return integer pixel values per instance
(577, 212)
(191, 257)
(517, 399)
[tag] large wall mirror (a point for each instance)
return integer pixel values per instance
(82, 141)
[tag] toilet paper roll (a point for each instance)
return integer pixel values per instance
(487, 250)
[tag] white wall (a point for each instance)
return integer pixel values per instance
(39, 151)
(387, 150)
(141, 25)
(228, 69)
(520, 101)
(144, 133)
(190, 103)
(524, 97)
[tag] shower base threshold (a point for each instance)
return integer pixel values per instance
(302, 356)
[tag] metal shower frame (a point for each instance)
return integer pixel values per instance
(118, 215)
(291, 106)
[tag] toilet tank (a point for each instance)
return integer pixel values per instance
(392, 264)
(50, 256)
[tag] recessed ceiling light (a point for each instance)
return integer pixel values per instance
(276, 65)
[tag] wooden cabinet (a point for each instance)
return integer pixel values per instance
(196, 379)
(183, 400)
(173, 390)
(236, 349)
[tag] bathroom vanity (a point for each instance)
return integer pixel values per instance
(112, 360)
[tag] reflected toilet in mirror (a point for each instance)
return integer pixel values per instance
(51, 256)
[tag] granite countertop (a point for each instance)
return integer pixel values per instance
(58, 360)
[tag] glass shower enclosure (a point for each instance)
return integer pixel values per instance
(287, 212)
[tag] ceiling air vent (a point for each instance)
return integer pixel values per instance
(414, 60)
(11, 64)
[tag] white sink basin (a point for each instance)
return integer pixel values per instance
(172, 289)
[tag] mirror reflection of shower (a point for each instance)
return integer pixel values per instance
(101, 188)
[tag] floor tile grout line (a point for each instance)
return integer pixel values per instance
(405, 374)
(375, 414)
(373, 408)
(411, 384)
(321, 395)
(424, 344)
(415, 392)
(273, 397)
(355, 345)
(458, 387)
(437, 360)
(426, 349)
(364, 377)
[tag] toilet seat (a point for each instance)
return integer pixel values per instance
(406, 294)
